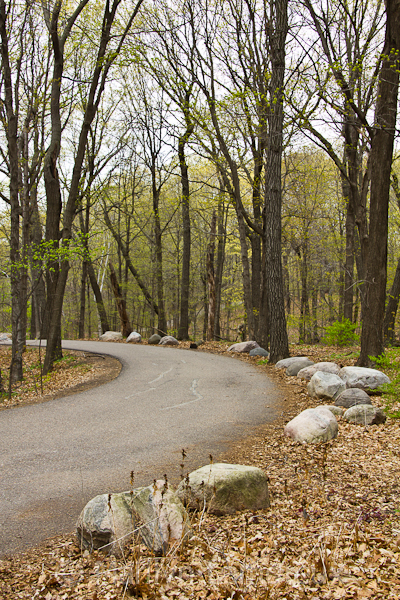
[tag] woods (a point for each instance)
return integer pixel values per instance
(225, 170)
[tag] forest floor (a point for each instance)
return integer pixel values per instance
(332, 531)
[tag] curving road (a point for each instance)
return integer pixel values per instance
(57, 455)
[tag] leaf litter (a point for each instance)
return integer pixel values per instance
(332, 530)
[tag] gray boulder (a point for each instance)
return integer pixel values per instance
(298, 365)
(326, 367)
(154, 339)
(363, 378)
(352, 397)
(259, 352)
(335, 410)
(163, 518)
(168, 340)
(364, 414)
(224, 489)
(5, 337)
(243, 346)
(108, 522)
(312, 426)
(111, 336)
(325, 385)
(134, 338)
(104, 520)
(286, 362)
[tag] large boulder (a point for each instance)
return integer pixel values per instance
(162, 518)
(111, 336)
(134, 338)
(5, 337)
(363, 378)
(326, 367)
(325, 385)
(312, 426)
(104, 520)
(364, 414)
(259, 352)
(286, 362)
(154, 339)
(243, 346)
(225, 488)
(351, 397)
(168, 340)
(297, 366)
(109, 521)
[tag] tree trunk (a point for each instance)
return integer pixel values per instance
(81, 328)
(391, 308)
(183, 331)
(373, 308)
(99, 298)
(349, 258)
(126, 328)
(211, 278)
(279, 344)
(11, 127)
(219, 269)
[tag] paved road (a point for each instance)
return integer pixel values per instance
(57, 455)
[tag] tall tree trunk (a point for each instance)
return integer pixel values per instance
(162, 322)
(219, 269)
(349, 257)
(272, 218)
(183, 331)
(211, 278)
(381, 155)
(12, 144)
(81, 327)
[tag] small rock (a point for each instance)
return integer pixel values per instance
(168, 340)
(259, 352)
(286, 362)
(111, 336)
(352, 397)
(326, 367)
(312, 426)
(134, 338)
(193, 346)
(225, 488)
(364, 414)
(363, 378)
(297, 365)
(325, 385)
(154, 339)
(243, 346)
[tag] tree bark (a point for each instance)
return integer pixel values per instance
(391, 308)
(126, 328)
(211, 278)
(17, 307)
(373, 307)
(272, 219)
(183, 331)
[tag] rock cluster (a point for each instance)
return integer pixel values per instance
(347, 387)
(157, 513)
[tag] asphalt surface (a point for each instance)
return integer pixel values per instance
(57, 455)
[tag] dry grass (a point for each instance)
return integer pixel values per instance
(333, 529)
